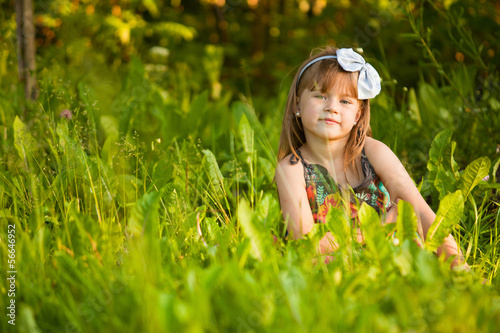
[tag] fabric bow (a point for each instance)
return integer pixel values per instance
(368, 81)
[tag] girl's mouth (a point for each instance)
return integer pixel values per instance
(331, 121)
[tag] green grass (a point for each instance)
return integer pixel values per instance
(107, 233)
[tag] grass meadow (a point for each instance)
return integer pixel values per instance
(153, 209)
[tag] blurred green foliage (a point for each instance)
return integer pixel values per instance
(442, 55)
(141, 180)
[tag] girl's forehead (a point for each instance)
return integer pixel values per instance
(325, 77)
(341, 86)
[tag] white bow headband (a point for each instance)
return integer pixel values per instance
(368, 81)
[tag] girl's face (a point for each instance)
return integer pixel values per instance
(328, 115)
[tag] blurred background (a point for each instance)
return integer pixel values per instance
(438, 72)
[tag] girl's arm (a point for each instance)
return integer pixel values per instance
(295, 205)
(400, 186)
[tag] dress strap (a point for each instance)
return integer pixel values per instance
(294, 160)
(367, 168)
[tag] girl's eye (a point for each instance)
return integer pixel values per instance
(320, 96)
(345, 101)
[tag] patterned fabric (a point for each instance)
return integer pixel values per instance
(323, 192)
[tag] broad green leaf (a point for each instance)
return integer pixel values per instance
(449, 213)
(173, 29)
(27, 320)
(109, 124)
(444, 182)
(143, 220)
(430, 101)
(450, 160)
(213, 276)
(76, 229)
(87, 96)
(23, 141)
(267, 210)
(126, 188)
(373, 232)
(368, 217)
(74, 150)
(239, 109)
(216, 178)
(110, 148)
(69, 272)
(338, 223)
(406, 223)
(496, 164)
(473, 174)
(413, 106)
(437, 152)
(192, 219)
(292, 282)
(246, 134)
(197, 109)
(245, 214)
(213, 61)
(152, 7)
(316, 233)
(133, 95)
(410, 36)
(144, 226)
(268, 168)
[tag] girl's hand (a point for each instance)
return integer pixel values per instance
(459, 262)
(359, 236)
(392, 214)
(450, 248)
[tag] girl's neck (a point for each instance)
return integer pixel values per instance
(325, 152)
(331, 155)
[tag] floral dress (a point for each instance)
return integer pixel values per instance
(323, 192)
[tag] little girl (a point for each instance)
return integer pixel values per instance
(326, 148)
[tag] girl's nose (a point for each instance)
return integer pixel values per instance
(330, 106)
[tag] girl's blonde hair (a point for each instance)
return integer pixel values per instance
(324, 74)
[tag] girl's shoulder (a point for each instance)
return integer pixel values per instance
(289, 162)
(293, 172)
(375, 149)
(381, 157)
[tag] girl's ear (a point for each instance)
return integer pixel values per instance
(358, 115)
(360, 111)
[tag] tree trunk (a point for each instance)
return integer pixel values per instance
(26, 49)
(260, 27)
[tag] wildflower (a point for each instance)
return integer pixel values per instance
(66, 114)
(485, 179)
